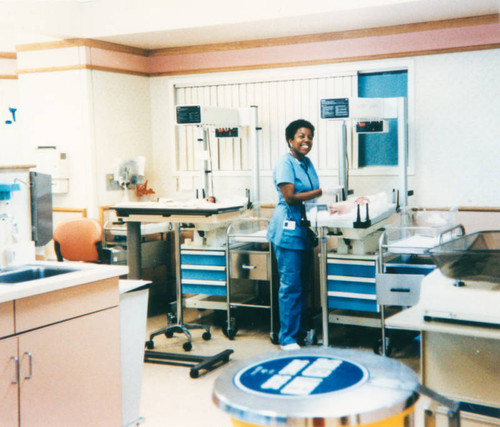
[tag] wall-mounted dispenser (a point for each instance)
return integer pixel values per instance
(53, 162)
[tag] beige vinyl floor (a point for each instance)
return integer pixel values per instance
(171, 398)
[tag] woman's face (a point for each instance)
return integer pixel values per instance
(301, 143)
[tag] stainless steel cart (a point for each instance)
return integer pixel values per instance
(403, 261)
(249, 268)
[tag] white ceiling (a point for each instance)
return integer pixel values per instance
(156, 24)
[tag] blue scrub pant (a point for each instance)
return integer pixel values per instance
(293, 271)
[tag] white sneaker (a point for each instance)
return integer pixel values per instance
(292, 346)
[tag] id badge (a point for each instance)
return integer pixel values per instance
(288, 225)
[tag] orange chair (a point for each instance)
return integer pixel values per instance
(79, 240)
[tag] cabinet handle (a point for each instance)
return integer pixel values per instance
(31, 365)
(16, 361)
(249, 267)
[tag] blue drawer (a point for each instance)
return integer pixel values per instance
(219, 290)
(203, 258)
(355, 287)
(202, 274)
(356, 304)
(351, 268)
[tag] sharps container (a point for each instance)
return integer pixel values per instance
(318, 387)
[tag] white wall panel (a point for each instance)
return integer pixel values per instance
(122, 125)
(54, 111)
(457, 144)
(11, 150)
(279, 102)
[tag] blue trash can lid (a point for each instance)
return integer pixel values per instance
(317, 383)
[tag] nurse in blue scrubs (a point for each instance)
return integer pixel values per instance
(296, 181)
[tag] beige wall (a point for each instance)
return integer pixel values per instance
(92, 116)
(454, 154)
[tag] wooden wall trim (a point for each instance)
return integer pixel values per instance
(486, 209)
(8, 55)
(83, 42)
(57, 44)
(82, 211)
(339, 35)
(81, 67)
(8, 77)
(51, 69)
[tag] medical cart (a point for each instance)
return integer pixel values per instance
(403, 261)
(250, 272)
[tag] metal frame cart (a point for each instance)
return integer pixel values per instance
(458, 318)
(133, 214)
(347, 280)
(403, 262)
(249, 263)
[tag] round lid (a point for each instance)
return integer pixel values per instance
(283, 388)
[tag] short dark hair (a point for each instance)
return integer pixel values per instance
(294, 126)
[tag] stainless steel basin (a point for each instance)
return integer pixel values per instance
(27, 273)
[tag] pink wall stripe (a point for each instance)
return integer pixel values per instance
(331, 50)
(404, 44)
(118, 60)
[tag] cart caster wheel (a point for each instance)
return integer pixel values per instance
(230, 331)
(377, 348)
(206, 335)
(274, 338)
(194, 373)
(187, 346)
(150, 345)
(169, 334)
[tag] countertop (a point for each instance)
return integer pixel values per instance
(87, 272)
(413, 319)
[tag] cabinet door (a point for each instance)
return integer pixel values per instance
(9, 383)
(70, 373)
(6, 319)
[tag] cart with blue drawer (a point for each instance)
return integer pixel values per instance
(403, 262)
(351, 290)
(203, 275)
(351, 283)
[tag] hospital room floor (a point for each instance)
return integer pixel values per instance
(171, 398)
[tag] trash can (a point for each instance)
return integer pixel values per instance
(133, 317)
(318, 386)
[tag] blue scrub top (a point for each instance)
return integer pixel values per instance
(303, 176)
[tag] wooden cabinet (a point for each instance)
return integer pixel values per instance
(6, 318)
(9, 382)
(64, 370)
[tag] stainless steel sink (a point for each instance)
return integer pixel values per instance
(26, 273)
